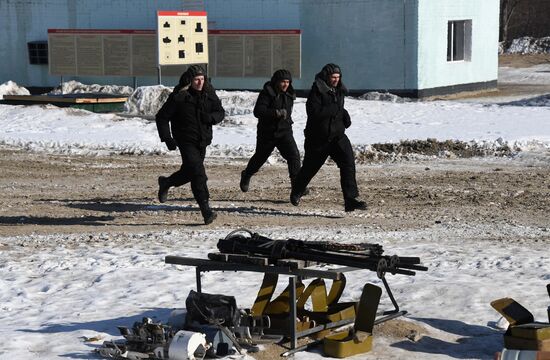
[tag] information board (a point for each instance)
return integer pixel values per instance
(230, 53)
(254, 53)
(91, 52)
(182, 37)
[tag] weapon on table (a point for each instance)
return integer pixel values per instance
(363, 255)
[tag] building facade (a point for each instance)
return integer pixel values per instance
(409, 47)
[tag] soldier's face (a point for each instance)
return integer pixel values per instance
(198, 82)
(334, 80)
(283, 85)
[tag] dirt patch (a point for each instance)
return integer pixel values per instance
(522, 61)
(44, 194)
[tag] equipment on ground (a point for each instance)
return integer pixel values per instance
(524, 333)
(362, 256)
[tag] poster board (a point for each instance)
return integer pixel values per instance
(254, 53)
(182, 37)
(231, 53)
(90, 52)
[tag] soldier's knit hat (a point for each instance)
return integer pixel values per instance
(281, 74)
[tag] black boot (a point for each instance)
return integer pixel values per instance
(295, 197)
(164, 185)
(245, 181)
(207, 214)
(351, 204)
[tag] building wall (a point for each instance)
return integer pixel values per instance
(380, 44)
(22, 21)
(373, 41)
(433, 69)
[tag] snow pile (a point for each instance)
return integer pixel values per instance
(76, 131)
(11, 88)
(147, 100)
(378, 96)
(529, 45)
(237, 102)
(75, 87)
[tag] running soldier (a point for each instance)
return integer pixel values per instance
(325, 136)
(185, 122)
(274, 112)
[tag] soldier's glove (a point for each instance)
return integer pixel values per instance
(281, 113)
(171, 144)
(347, 119)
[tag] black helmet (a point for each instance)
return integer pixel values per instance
(280, 75)
(330, 69)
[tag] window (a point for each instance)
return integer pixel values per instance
(38, 52)
(459, 40)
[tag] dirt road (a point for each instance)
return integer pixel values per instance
(42, 193)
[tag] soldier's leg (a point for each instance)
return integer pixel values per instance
(194, 157)
(342, 154)
(183, 175)
(264, 148)
(289, 151)
(178, 178)
(314, 157)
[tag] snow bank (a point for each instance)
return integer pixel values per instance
(147, 100)
(11, 88)
(75, 87)
(529, 45)
(378, 96)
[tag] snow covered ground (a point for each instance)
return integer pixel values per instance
(57, 289)
(48, 128)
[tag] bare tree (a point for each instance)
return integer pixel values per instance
(507, 10)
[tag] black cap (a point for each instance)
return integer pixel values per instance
(190, 73)
(330, 69)
(280, 75)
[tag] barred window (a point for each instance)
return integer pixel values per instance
(38, 52)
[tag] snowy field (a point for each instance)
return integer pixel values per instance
(60, 289)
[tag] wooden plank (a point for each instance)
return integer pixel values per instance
(65, 99)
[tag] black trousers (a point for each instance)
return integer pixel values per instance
(192, 170)
(316, 154)
(265, 146)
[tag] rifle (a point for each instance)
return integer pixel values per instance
(362, 255)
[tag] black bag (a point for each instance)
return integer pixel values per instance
(211, 309)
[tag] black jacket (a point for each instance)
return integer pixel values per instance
(190, 115)
(270, 100)
(326, 117)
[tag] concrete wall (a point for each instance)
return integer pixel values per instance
(433, 69)
(380, 44)
(374, 41)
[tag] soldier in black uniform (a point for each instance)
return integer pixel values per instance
(325, 136)
(274, 112)
(185, 122)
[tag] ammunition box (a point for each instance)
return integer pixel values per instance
(535, 331)
(512, 342)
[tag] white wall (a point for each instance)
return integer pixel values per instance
(433, 68)
(22, 21)
(378, 43)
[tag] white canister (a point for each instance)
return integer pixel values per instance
(187, 345)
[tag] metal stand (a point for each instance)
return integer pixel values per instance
(293, 270)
